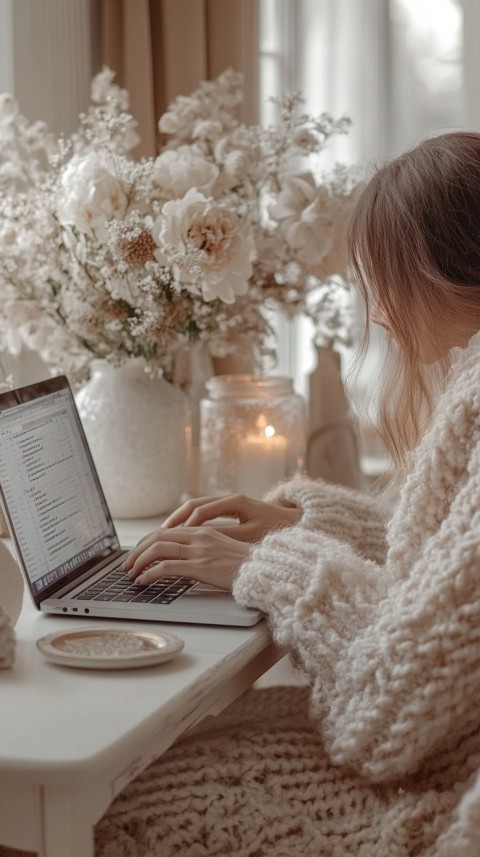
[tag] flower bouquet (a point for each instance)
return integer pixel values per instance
(105, 256)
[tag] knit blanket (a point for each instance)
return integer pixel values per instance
(256, 782)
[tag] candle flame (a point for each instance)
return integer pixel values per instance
(269, 431)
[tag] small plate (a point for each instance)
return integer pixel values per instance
(105, 649)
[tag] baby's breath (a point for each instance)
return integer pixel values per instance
(106, 256)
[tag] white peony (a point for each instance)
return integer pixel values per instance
(90, 194)
(212, 247)
(176, 171)
(308, 217)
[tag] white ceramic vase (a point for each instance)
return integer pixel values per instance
(136, 427)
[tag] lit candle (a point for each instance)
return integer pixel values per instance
(262, 461)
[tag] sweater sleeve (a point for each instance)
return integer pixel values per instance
(392, 659)
(353, 516)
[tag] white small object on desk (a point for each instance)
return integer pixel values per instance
(262, 461)
(11, 588)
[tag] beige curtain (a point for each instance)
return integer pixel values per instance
(163, 48)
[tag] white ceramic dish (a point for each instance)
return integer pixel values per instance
(109, 649)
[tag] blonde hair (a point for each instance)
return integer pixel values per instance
(414, 245)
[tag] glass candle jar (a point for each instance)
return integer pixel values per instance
(252, 434)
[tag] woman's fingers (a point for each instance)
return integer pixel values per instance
(161, 569)
(181, 515)
(157, 551)
(196, 512)
(160, 536)
(251, 519)
(199, 552)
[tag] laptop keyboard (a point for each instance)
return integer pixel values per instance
(116, 586)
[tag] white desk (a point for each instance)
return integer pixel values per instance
(71, 739)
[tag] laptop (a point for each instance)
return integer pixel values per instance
(63, 532)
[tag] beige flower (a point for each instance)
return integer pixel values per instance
(137, 249)
(214, 247)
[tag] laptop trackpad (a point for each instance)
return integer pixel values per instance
(205, 589)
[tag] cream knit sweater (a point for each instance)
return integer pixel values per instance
(380, 756)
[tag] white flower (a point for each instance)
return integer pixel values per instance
(212, 247)
(177, 171)
(207, 129)
(305, 139)
(307, 216)
(169, 123)
(236, 165)
(91, 195)
(180, 115)
(103, 89)
(8, 108)
(18, 318)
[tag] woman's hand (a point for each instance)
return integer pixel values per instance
(199, 552)
(255, 517)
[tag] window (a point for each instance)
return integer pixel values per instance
(401, 69)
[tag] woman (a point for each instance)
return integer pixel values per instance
(380, 753)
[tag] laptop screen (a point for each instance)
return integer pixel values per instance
(53, 501)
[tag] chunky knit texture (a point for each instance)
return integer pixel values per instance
(380, 755)
(257, 782)
(392, 649)
(357, 519)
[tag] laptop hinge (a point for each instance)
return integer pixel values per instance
(90, 573)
